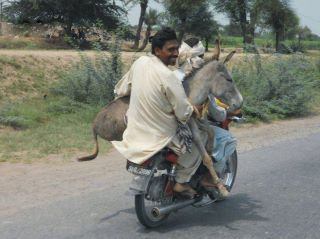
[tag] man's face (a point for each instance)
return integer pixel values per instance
(169, 52)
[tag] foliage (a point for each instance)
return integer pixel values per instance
(283, 87)
(244, 13)
(204, 27)
(280, 17)
(72, 12)
(176, 11)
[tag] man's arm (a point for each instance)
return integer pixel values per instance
(177, 97)
(123, 87)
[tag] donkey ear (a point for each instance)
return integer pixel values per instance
(229, 57)
(216, 50)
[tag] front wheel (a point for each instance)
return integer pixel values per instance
(229, 173)
(145, 214)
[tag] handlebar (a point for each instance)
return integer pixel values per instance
(237, 119)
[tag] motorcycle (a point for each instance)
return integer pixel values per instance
(153, 181)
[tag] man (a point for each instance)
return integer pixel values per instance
(158, 101)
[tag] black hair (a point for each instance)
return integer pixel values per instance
(192, 41)
(160, 38)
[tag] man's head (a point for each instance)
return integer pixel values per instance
(165, 46)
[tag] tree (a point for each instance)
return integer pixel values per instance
(243, 12)
(151, 19)
(143, 8)
(280, 17)
(181, 12)
(203, 25)
(68, 13)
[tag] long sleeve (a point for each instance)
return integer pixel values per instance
(177, 97)
(123, 87)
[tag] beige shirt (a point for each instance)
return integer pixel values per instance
(157, 101)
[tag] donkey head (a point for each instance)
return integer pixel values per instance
(213, 77)
(222, 86)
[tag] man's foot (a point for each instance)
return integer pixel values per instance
(224, 193)
(184, 190)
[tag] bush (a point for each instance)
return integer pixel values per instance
(283, 87)
(93, 79)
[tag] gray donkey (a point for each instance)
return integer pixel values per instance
(212, 78)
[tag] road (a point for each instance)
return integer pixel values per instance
(276, 195)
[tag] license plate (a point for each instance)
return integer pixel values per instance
(139, 170)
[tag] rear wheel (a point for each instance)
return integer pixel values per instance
(145, 214)
(144, 203)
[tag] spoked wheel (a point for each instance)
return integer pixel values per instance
(145, 203)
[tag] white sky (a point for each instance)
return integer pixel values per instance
(307, 10)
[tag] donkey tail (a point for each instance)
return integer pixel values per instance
(96, 149)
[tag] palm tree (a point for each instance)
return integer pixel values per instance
(150, 20)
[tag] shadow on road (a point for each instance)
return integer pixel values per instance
(239, 207)
(128, 210)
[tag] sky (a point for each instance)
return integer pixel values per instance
(307, 10)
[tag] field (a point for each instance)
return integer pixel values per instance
(228, 41)
(40, 120)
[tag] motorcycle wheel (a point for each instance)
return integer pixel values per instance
(228, 176)
(144, 212)
(230, 172)
(144, 203)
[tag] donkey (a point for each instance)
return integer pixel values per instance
(212, 78)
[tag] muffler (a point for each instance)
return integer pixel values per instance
(160, 211)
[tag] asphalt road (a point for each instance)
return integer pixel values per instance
(276, 195)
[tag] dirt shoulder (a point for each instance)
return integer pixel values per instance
(23, 186)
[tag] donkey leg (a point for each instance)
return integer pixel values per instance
(207, 161)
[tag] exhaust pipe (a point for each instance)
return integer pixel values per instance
(159, 211)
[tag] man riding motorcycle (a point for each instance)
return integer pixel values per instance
(157, 101)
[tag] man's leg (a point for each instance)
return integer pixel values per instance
(188, 164)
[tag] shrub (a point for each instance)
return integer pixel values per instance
(92, 80)
(283, 87)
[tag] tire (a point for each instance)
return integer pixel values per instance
(229, 175)
(144, 214)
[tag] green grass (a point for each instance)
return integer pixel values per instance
(230, 41)
(50, 127)
(27, 43)
(27, 76)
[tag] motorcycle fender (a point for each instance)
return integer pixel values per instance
(139, 184)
